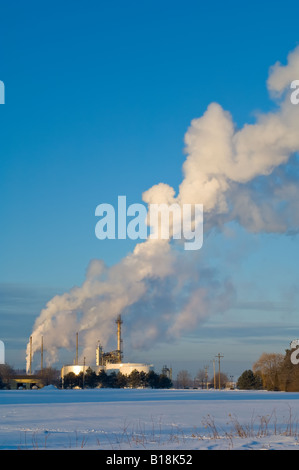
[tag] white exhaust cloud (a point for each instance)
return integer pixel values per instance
(248, 175)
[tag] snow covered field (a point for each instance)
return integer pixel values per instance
(129, 419)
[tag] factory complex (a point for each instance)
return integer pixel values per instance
(106, 361)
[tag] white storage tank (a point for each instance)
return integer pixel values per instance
(77, 368)
(128, 367)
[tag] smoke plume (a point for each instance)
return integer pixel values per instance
(247, 175)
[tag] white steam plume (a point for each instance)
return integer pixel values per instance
(249, 175)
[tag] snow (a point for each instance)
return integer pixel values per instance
(129, 419)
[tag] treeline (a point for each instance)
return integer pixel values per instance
(201, 380)
(48, 375)
(273, 372)
(136, 379)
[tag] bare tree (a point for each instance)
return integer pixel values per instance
(201, 378)
(6, 372)
(184, 379)
(268, 366)
(223, 380)
(49, 376)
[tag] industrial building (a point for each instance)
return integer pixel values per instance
(22, 381)
(107, 361)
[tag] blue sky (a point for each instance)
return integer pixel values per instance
(98, 99)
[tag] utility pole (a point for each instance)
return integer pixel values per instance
(83, 378)
(219, 357)
(42, 355)
(206, 376)
(214, 374)
(118, 321)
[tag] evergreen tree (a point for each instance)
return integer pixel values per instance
(90, 378)
(142, 379)
(121, 380)
(70, 380)
(164, 381)
(134, 379)
(102, 379)
(249, 381)
(152, 379)
(112, 380)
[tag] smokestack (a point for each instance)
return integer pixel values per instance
(30, 356)
(119, 340)
(42, 354)
(99, 355)
(76, 362)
